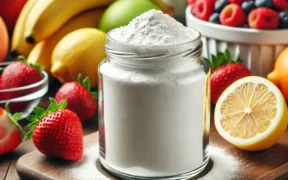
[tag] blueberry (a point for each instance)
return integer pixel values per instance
(215, 18)
(220, 4)
(264, 3)
(247, 6)
(246, 26)
(283, 20)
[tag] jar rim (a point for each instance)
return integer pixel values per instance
(122, 48)
(141, 45)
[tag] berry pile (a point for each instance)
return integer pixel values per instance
(257, 14)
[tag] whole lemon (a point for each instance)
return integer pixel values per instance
(79, 52)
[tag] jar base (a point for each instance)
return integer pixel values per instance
(184, 176)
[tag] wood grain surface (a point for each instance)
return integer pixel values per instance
(265, 165)
(269, 164)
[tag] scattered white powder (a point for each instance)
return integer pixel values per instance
(154, 28)
(224, 166)
(89, 168)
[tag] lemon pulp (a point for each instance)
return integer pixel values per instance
(254, 107)
(251, 113)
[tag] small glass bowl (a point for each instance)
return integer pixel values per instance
(25, 98)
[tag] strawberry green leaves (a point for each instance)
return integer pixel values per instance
(24, 60)
(222, 58)
(14, 118)
(86, 84)
(39, 113)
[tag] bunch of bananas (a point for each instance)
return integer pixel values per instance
(43, 23)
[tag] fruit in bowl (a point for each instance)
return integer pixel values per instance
(22, 85)
(258, 14)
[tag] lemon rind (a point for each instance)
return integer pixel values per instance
(260, 136)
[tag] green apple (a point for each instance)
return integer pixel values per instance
(121, 12)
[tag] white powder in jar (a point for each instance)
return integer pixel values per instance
(153, 118)
(153, 124)
(154, 28)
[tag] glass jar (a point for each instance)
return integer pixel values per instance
(154, 110)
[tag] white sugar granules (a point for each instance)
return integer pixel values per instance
(224, 166)
(154, 28)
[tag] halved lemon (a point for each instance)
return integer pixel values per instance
(251, 114)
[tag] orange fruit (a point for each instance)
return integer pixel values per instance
(4, 39)
(279, 75)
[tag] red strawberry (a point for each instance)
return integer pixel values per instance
(281, 4)
(79, 98)
(1, 85)
(57, 132)
(18, 74)
(233, 15)
(10, 131)
(239, 2)
(263, 18)
(203, 9)
(225, 71)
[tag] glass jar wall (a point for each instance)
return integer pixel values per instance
(154, 110)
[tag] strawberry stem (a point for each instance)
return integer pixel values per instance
(39, 113)
(87, 85)
(221, 58)
(24, 60)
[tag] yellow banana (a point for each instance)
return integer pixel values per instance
(19, 44)
(41, 53)
(48, 16)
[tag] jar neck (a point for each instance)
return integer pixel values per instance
(143, 56)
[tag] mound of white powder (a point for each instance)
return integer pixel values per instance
(154, 28)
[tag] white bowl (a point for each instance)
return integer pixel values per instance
(258, 48)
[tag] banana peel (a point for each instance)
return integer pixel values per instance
(48, 16)
(42, 52)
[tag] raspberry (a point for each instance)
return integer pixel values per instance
(281, 4)
(233, 15)
(191, 3)
(203, 9)
(263, 18)
(239, 2)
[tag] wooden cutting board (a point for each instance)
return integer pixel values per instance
(268, 164)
